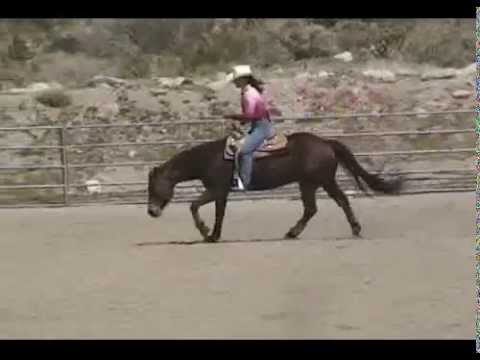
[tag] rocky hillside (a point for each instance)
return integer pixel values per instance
(72, 51)
(59, 77)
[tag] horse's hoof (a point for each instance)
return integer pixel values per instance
(212, 239)
(204, 230)
(356, 231)
(291, 235)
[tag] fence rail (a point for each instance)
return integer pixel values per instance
(462, 175)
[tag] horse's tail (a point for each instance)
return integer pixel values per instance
(348, 160)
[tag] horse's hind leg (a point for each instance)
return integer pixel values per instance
(341, 199)
(309, 209)
(203, 199)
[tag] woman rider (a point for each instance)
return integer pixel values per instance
(254, 111)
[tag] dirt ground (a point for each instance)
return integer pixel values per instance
(113, 272)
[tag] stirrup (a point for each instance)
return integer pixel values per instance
(238, 184)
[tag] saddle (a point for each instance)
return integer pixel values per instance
(272, 146)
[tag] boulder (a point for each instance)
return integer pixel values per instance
(382, 75)
(173, 82)
(345, 56)
(407, 72)
(218, 85)
(439, 74)
(93, 186)
(469, 70)
(34, 88)
(324, 74)
(109, 80)
(158, 92)
(420, 111)
(107, 110)
(462, 94)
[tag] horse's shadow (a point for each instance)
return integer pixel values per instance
(202, 242)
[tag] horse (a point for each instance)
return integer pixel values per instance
(306, 159)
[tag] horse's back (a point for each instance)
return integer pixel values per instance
(307, 139)
(311, 148)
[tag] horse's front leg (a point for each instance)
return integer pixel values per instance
(203, 199)
(220, 205)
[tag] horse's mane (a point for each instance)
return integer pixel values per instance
(186, 153)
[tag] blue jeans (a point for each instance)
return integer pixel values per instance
(259, 132)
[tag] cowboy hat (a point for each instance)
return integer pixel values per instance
(239, 71)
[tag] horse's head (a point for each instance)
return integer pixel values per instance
(160, 191)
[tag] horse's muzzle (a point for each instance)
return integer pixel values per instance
(154, 211)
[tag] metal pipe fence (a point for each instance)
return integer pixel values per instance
(65, 165)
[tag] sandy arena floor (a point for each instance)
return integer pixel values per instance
(113, 272)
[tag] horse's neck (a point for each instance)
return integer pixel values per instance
(179, 174)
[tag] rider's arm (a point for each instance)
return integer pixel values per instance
(253, 107)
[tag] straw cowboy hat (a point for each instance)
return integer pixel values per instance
(239, 71)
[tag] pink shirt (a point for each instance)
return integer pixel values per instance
(254, 106)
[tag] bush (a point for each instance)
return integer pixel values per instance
(67, 44)
(166, 65)
(440, 43)
(68, 69)
(54, 98)
(311, 41)
(138, 67)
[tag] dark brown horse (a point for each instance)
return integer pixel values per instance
(310, 161)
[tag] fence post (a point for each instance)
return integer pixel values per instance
(64, 159)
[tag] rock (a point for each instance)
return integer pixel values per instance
(462, 94)
(93, 186)
(173, 82)
(420, 110)
(383, 75)
(107, 110)
(301, 76)
(35, 87)
(439, 74)
(106, 86)
(407, 72)
(469, 70)
(325, 74)
(158, 92)
(322, 74)
(218, 85)
(131, 154)
(345, 56)
(110, 80)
